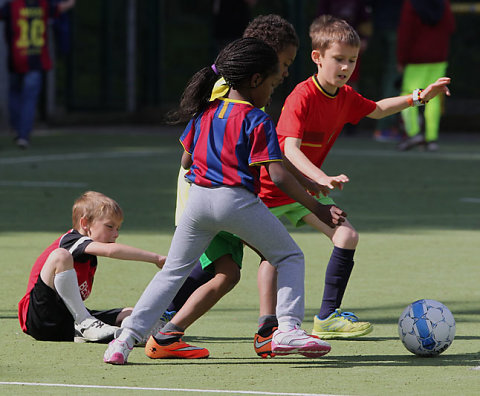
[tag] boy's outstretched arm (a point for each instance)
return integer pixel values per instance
(304, 165)
(283, 179)
(124, 252)
(389, 106)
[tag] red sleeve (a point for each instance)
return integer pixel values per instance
(264, 144)
(187, 138)
(292, 119)
(359, 106)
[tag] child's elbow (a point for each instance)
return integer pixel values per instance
(186, 161)
(278, 179)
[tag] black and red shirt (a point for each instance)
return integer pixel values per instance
(84, 264)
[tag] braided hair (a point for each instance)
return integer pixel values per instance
(236, 63)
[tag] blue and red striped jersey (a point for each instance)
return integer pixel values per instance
(26, 30)
(228, 142)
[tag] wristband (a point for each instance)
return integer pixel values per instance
(416, 100)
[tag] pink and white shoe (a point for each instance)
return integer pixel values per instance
(298, 341)
(117, 352)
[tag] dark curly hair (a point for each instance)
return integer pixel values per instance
(272, 29)
(236, 63)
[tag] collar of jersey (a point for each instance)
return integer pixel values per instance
(235, 101)
(322, 90)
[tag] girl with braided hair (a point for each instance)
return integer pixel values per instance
(226, 142)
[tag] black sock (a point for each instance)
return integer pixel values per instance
(338, 272)
(266, 323)
(169, 334)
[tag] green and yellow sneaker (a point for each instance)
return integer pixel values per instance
(340, 325)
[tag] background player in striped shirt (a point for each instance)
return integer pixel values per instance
(226, 143)
(62, 276)
(28, 58)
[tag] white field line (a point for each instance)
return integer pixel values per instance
(390, 153)
(132, 388)
(52, 184)
(470, 200)
(68, 157)
(81, 156)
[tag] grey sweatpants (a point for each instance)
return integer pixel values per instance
(208, 211)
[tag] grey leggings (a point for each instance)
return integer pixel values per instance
(208, 211)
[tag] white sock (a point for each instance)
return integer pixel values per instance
(288, 323)
(66, 284)
(127, 336)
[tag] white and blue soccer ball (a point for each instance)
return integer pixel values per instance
(426, 327)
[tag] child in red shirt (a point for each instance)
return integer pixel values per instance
(311, 120)
(62, 276)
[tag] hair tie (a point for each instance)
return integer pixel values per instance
(214, 68)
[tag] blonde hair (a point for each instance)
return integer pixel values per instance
(327, 30)
(93, 205)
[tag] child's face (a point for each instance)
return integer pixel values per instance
(260, 96)
(103, 230)
(285, 60)
(335, 66)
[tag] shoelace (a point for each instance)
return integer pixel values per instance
(98, 324)
(349, 316)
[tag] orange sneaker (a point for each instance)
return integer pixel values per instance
(263, 345)
(175, 350)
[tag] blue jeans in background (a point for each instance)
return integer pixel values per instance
(24, 90)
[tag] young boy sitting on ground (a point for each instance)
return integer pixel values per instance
(62, 276)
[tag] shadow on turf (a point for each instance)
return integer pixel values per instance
(332, 361)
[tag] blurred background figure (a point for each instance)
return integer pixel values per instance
(386, 15)
(26, 33)
(358, 14)
(424, 33)
(230, 18)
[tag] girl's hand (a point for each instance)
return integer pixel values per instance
(438, 87)
(316, 189)
(331, 215)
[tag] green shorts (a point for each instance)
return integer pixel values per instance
(295, 212)
(224, 243)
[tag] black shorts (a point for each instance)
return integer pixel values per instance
(48, 318)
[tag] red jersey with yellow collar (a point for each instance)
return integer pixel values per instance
(317, 118)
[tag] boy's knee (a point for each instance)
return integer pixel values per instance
(60, 259)
(228, 280)
(346, 238)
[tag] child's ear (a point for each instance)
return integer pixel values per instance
(316, 57)
(83, 224)
(255, 80)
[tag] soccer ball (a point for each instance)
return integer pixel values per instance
(426, 327)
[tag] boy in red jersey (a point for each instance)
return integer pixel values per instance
(62, 276)
(312, 118)
(26, 33)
